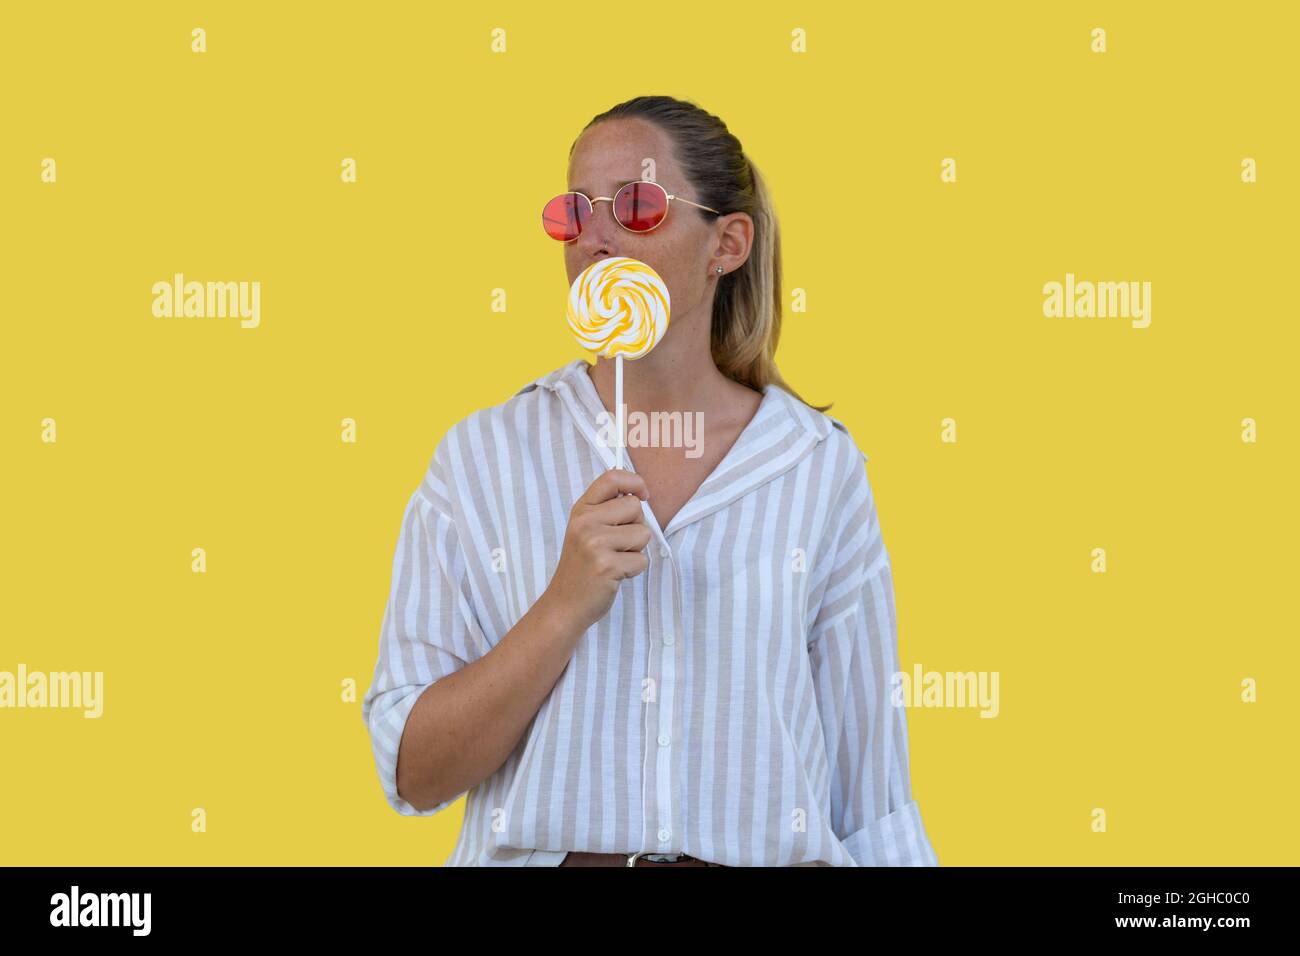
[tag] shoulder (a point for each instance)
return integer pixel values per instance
(844, 486)
(461, 451)
(836, 447)
(853, 523)
(850, 538)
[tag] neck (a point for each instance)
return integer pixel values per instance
(677, 375)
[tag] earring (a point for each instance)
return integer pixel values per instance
(719, 270)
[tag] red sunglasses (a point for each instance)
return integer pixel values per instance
(639, 206)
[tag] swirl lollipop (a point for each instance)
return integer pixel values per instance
(618, 307)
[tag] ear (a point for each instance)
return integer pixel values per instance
(735, 241)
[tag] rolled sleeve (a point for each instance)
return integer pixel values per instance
(429, 630)
(853, 650)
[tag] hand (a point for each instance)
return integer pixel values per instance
(602, 546)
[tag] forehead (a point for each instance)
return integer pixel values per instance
(613, 152)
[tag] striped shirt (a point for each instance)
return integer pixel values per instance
(735, 702)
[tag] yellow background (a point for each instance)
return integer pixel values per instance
(222, 690)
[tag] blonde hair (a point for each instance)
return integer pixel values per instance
(746, 323)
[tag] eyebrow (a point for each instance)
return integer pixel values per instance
(589, 192)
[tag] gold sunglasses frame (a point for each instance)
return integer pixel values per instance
(668, 205)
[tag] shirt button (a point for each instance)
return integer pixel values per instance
(668, 639)
(664, 834)
(663, 740)
(663, 550)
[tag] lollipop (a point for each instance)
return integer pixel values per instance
(618, 307)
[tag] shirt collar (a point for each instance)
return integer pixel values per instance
(782, 432)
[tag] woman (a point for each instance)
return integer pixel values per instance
(684, 662)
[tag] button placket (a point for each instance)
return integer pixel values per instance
(662, 629)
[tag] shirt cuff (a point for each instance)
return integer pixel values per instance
(896, 839)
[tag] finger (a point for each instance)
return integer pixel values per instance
(626, 537)
(618, 511)
(614, 482)
(630, 563)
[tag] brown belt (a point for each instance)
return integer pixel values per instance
(629, 859)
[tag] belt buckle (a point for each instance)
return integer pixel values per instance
(677, 857)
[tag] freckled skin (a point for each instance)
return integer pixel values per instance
(681, 249)
(678, 374)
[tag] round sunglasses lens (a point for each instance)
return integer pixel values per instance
(563, 217)
(641, 206)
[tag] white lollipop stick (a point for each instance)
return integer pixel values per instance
(618, 403)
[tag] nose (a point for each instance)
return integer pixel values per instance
(599, 232)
